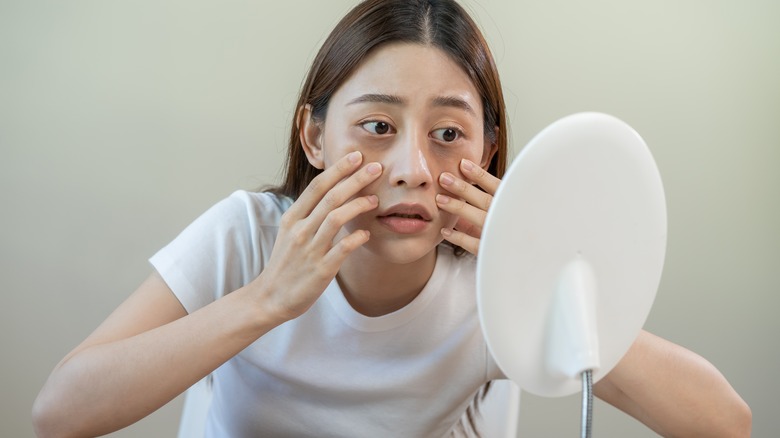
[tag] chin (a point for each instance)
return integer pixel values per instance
(402, 251)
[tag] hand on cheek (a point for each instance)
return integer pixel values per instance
(468, 202)
(309, 249)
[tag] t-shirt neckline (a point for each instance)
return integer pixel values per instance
(358, 321)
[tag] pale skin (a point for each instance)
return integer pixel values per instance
(397, 140)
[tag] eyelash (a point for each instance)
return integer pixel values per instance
(458, 132)
(376, 122)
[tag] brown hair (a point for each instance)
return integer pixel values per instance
(443, 24)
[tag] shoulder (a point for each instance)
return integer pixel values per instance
(244, 211)
(248, 220)
(223, 249)
(239, 223)
(264, 206)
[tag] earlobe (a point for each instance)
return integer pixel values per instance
(310, 132)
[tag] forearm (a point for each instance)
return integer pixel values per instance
(107, 386)
(674, 391)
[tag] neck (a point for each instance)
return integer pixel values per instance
(374, 287)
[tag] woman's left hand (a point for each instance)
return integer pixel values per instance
(469, 203)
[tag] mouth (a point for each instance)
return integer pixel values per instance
(407, 211)
(405, 218)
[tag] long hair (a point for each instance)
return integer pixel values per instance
(443, 24)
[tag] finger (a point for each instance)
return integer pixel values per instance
(467, 227)
(336, 219)
(344, 191)
(344, 247)
(462, 189)
(322, 183)
(463, 240)
(460, 208)
(479, 176)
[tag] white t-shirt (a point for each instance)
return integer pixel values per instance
(332, 371)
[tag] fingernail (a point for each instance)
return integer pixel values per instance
(354, 157)
(467, 165)
(374, 168)
(442, 199)
(446, 179)
(373, 199)
(446, 232)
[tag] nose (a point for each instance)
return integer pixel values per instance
(409, 164)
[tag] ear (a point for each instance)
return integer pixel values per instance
(310, 132)
(489, 150)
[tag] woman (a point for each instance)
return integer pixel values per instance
(331, 306)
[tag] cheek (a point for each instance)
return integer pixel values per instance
(336, 143)
(450, 162)
(339, 146)
(475, 154)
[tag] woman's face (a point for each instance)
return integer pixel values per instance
(412, 109)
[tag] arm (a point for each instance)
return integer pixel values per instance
(668, 388)
(144, 355)
(150, 350)
(674, 391)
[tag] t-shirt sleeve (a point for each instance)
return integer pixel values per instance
(222, 250)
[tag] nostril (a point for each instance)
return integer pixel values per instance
(402, 182)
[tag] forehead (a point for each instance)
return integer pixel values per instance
(416, 73)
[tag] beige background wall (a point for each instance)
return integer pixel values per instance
(120, 122)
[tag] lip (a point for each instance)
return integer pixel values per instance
(405, 218)
(407, 210)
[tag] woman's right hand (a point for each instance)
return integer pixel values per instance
(309, 248)
(149, 350)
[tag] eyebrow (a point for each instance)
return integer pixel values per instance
(453, 102)
(440, 101)
(377, 98)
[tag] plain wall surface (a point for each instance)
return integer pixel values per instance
(120, 122)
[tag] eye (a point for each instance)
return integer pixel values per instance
(447, 135)
(379, 128)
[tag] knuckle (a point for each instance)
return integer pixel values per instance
(299, 237)
(486, 201)
(458, 206)
(346, 246)
(315, 184)
(460, 186)
(322, 272)
(287, 220)
(332, 220)
(366, 203)
(331, 200)
(343, 248)
(349, 243)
